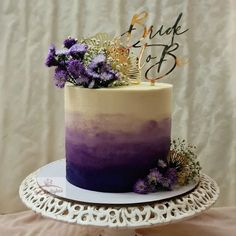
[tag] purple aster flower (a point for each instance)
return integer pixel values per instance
(50, 59)
(154, 176)
(93, 74)
(97, 66)
(166, 183)
(76, 68)
(162, 164)
(170, 179)
(78, 50)
(78, 72)
(60, 77)
(99, 70)
(171, 174)
(141, 187)
(109, 75)
(62, 52)
(83, 80)
(97, 62)
(69, 42)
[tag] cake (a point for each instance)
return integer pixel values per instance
(115, 135)
(117, 128)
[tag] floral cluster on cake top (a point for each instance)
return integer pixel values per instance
(102, 61)
(92, 63)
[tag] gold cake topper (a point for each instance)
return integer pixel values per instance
(121, 50)
(155, 63)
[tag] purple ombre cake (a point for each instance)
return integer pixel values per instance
(115, 135)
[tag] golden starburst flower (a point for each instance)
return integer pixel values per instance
(179, 161)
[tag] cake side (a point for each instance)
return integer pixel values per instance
(115, 135)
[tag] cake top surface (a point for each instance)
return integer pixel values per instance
(143, 86)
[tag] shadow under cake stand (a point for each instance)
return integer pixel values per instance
(47, 192)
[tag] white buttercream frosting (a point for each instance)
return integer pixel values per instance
(142, 101)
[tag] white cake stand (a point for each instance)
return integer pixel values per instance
(118, 219)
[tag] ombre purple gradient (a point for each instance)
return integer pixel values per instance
(112, 161)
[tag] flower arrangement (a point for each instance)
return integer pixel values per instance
(181, 168)
(92, 63)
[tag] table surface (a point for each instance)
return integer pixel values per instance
(214, 222)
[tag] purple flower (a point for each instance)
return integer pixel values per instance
(166, 183)
(78, 50)
(78, 72)
(83, 80)
(100, 71)
(169, 179)
(69, 42)
(51, 57)
(76, 68)
(97, 62)
(154, 176)
(62, 52)
(60, 77)
(93, 74)
(109, 75)
(171, 174)
(141, 187)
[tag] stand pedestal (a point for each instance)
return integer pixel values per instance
(120, 220)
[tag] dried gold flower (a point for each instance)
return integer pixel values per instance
(184, 160)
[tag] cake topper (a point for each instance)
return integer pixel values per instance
(104, 61)
(168, 49)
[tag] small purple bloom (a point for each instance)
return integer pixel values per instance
(110, 75)
(166, 183)
(78, 50)
(98, 69)
(50, 59)
(60, 77)
(154, 176)
(78, 72)
(97, 62)
(62, 52)
(69, 42)
(76, 68)
(107, 76)
(141, 187)
(97, 66)
(52, 49)
(170, 179)
(171, 174)
(93, 74)
(83, 80)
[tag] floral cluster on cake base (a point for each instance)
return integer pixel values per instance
(92, 63)
(181, 168)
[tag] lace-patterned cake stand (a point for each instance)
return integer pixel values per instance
(119, 220)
